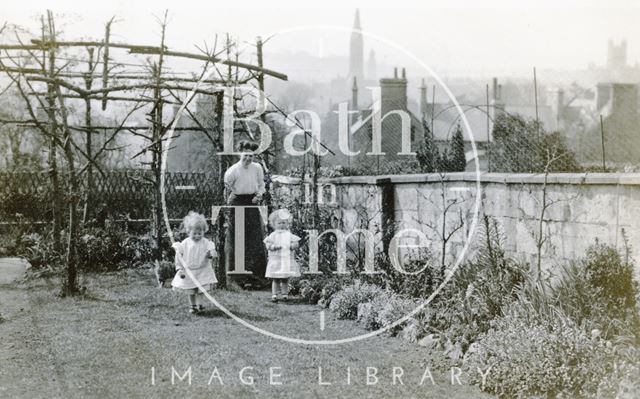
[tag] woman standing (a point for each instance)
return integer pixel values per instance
(245, 186)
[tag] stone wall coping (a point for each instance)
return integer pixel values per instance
(631, 179)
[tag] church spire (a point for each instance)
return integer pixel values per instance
(356, 51)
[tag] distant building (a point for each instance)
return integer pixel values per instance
(341, 86)
(618, 105)
(356, 51)
(616, 55)
(617, 68)
(393, 93)
(372, 67)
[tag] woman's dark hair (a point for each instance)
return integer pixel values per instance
(247, 145)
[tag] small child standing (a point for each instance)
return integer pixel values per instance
(195, 254)
(281, 244)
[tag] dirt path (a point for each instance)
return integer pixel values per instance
(125, 337)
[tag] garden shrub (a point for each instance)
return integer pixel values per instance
(587, 304)
(419, 285)
(111, 248)
(38, 250)
(384, 309)
(479, 291)
(139, 249)
(393, 309)
(575, 337)
(97, 249)
(624, 380)
(11, 236)
(26, 206)
(367, 313)
(318, 289)
(101, 248)
(582, 291)
(10, 243)
(612, 277)
(529, 359)
(465, 306)
(345, 302)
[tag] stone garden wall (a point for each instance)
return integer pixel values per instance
(580, 209)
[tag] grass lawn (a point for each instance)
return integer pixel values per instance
(106, 343)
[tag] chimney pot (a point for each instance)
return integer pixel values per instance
(404, 73)
(395, 72)
(495, 88)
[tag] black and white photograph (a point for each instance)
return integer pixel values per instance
(336, 199)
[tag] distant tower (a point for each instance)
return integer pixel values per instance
(497, 103)
(356, 51)
(354, 94)
(423, 99)
(372, 67)
(617, 55)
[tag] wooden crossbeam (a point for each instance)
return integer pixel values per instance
(201, 57)
(138, 49)
(79, 75)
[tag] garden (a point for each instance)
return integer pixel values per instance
(93, 316)
(575, 335)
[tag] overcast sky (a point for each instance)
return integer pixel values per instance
(460, 35)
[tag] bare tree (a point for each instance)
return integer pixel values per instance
(544, 203)
(60, 128)
(446, 226)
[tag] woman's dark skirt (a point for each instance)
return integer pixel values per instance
(255, 255)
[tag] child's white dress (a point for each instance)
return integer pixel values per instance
(194, 256)
(282, 262)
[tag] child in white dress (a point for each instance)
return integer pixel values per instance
(194, 261)
(281, 244)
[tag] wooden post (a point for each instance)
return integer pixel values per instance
(88, 82)
(156, 163)
(535, 92)
(604, 164)
(53, 131)
(260, 77)
(488, 133)
(316, 193)
(433, 109)
(261, 100)
(387, 204)
(105, 62)
(223, 164)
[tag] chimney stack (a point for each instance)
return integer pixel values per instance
(560, 107)
(497, 104)
(423, 99)
(624, 100)
(393, 92)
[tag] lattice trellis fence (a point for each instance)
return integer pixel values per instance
(126, 194)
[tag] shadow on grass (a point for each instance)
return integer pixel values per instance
(294, 301)
(217, 313)
(93, 297)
